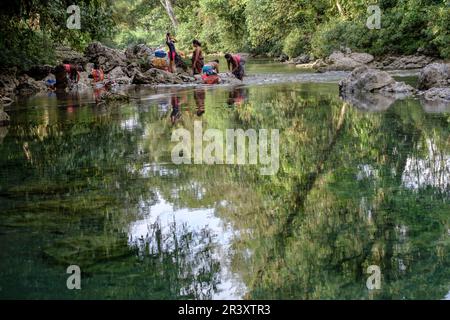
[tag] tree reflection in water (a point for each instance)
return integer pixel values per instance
(353, 189)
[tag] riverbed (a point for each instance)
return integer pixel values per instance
(95, 186)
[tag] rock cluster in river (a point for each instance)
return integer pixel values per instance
(366, 88)
(347, 60)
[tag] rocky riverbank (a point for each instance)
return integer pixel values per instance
(123, 67)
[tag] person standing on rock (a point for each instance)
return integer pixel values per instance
(197, 58)
(236, 65)
(170, 41)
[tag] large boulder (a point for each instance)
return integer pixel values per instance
(434, 75)
(68, 55)
(29, 86)
(40, 72)
(156, 76)
(345, 61)
(363, 79)
(119, 76)
(139, 51)
(8, 81)
(107, 58)
(437, 94)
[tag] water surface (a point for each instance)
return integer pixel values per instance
(95, 186)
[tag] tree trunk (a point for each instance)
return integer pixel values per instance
(338, 5)
(167, 4)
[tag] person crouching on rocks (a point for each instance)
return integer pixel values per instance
(236, 65)
(67, 75)
(98, 77)
(210, 72)
(72, 72)
(97, 74)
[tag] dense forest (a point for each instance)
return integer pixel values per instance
(31, 29)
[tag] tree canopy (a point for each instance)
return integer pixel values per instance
(31, 28)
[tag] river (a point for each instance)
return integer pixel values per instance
(95, 186)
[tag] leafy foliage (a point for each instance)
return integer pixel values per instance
(30, 29)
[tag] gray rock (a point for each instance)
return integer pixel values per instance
(363, 79)
(282, 58)
(69, 55)
(119, 76)
(107, 58)
(436, 100)
(8, 81)
(340, 61)
(29, 86)
(434, 75)
(363, 58)
(302, 59)
(156, 76)
(403, 62)
(437, 94)
(4, 117)
(139, 51)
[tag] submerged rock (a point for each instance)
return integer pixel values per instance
(373, 102)
(88, 250)
(436, 100)
(434, 75)
(437, 94)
